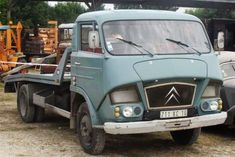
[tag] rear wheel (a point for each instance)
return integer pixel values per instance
(92, 140)
(186, 137)
(39, 114)
(25, 108)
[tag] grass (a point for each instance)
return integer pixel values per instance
(5, 96)
(1, 85)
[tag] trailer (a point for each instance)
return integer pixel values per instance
(130, 72)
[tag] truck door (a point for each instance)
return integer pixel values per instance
(88, 63)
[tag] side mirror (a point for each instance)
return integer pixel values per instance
(93, 39)
(220, 40)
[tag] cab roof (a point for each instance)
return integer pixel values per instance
(112, 15)
(66, 25)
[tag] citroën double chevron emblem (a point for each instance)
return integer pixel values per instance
(172, 94)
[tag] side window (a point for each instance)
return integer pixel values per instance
(85, 29)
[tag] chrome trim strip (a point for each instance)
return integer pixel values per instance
(171, 83)
(85, 77)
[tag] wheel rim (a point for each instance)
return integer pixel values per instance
(23, 102)
(86, 130)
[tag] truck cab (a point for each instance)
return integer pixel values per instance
(146, 71)
(132, 72)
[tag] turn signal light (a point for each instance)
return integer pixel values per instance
(220, 103)
(117, 111)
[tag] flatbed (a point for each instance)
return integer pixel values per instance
(57, 78)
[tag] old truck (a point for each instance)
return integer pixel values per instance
(222, 34)
(131, 72)
(227, 26)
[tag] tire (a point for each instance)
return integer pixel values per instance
(24, 104)
(186, 137)
(28, 111)
(92, 140)
(39, 114)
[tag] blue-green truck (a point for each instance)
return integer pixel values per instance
(129, 72)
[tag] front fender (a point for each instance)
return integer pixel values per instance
(94, 116)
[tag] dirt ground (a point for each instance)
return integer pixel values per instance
(54, 138)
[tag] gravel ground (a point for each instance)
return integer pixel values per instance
(54, 138)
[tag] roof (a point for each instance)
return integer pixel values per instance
(226, 56)
(111, 15)
(66, 25)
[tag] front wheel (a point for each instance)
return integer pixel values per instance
(92, 140)
(186, 137)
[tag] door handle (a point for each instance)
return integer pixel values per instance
(77, 63)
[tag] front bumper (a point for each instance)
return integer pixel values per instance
(165, 125)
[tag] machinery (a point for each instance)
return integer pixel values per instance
(10, 46)
(40, 42)
(36, 43)
(49, 37)
(32, 44)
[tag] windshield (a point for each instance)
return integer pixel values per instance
(228, 69)
(152, 36)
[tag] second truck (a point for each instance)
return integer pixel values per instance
(130, 72)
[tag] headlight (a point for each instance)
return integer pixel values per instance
(212, 105)
(125, 95)
(127, 111)
(211, 91)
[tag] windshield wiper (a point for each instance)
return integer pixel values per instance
(233, 67)
(136, 46)
(182, 45)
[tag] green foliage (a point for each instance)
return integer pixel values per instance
(211, 13)
(3, 11)
(67, 12)
(142, 6)
(31, 13)
(38, 13)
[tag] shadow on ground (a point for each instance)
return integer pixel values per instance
(220, 130)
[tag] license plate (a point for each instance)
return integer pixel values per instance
(174, 114)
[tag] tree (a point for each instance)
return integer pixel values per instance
(203, 13)
(67, 12)
(35, 13)
(143, 6)
(31, 13)
(3, 11)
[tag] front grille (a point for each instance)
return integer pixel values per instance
(170, 95)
